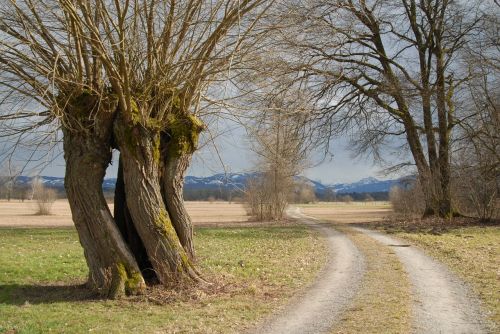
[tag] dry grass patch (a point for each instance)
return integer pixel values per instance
(23, 214)
(382, 304)
(354, 212)
(254, 271)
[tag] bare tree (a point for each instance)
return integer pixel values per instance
(9, 172)
(128, 75)
(387, 69)
(278, 140)
(45, 198)
(477, 162)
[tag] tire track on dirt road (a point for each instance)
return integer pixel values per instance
(442, 302)
(318, 308)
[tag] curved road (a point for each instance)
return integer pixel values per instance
(317, 309)
(441, 302)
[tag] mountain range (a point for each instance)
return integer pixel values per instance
(237, 181)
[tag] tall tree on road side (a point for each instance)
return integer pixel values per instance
(388, 69)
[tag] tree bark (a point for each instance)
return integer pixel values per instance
(113, 271)
(178, 144)
(172, 181)
(444, 114)
(140, 154)
(424, 172)
(129, 232)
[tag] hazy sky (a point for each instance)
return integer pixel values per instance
(234, 155)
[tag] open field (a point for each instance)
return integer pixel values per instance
(354, 212)
(255, 267)
(23, 214)
(254, 271)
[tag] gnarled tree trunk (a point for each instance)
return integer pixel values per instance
(126, 226)
(140, 154)
(177, 147)
(172, 183)
(113, 270)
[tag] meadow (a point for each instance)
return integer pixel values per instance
(254, 268)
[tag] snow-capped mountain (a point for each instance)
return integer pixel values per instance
(237, 181)
(221, 180)
(55, 182)
(366, 185)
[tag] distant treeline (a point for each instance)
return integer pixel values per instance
(358, 197)
(238, 195)
(22, 192)
(207, 194)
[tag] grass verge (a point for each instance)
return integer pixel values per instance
(255, 269)
(382, 304)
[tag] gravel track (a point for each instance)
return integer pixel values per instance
(442, 302)
(317, 308)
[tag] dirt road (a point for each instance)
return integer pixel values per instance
(316, 310)
(441, 302)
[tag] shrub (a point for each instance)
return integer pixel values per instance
(409, 201)
(45, 199)
(476, 192)
(346, 198)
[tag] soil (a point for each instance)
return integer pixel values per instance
(15, 213)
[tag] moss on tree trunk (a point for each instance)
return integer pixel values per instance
(113, 271)
(140, 156)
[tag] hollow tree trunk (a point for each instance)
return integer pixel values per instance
(140, 153)
(126, 226)
(113, 270)
(177, 147)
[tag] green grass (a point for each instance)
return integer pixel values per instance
(254, 270)
(473, 253)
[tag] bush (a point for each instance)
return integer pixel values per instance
(267, 196)
(476, 193)
(346, 199)
(45, 199)
(409, 201)
(303, 193)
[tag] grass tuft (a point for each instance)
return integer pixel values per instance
(382, 304)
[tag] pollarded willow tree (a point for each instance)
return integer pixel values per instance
(125, 75)
(388, 69)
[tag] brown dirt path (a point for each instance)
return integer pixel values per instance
(317, 309)
(442, 302)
